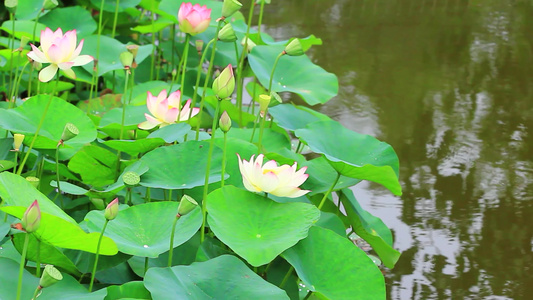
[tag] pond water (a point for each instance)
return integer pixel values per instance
(449, 84)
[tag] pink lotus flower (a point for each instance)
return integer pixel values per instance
(60, 51)
(281, 181)
(111, 211)
(193, 19)
(32, 218)
(165, 110)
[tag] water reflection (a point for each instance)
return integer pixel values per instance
(448, 83)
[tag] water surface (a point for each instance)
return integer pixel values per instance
(449, 84)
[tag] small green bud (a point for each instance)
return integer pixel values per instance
(49, 4)
(17, 141)
(224, 122)
(229, 7)
(224, 84)
(264, 101)
(248, 43)
(126, 58)
(131, 178)
(227, 34)
(50, 276)
(111, 211)
(187, 204)
(294, 48)
(69, 132)
(32, 218)
(34, 181)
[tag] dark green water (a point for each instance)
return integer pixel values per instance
(449, 84)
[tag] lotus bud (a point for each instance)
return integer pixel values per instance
(264, 101)
(227, 34)
(224, 84)
(98, 203)
(69, 132)
(34, 181)
(111, 211)
(32, 218)
(49, 4)
(50, 276)
(17, 141)
(187, 204)
(126, 58)
(229, 7)
(131, 178)
(249, 44)
(199, 46)
(224, 122)
(294, 48)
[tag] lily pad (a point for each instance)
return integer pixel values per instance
(144, 230)
(223, 277)
(295, 74)
(334, 268)
(257, 228)
(69, 18)
(172, 132)
(110, 5)
(292, 117)
(135, 147)
(353, 154)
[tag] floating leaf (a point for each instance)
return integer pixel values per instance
(69, 18)
(335, 268)
(367, 158)
(23, 28)
(144, 230)
(292, 117)
(257, 228)
(136, 146)
(172, 132)
(223, 277)
(110, 5)
(130, 290)
(96, 165)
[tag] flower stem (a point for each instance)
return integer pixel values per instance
(260, 21)
(38, 129)
(12, 44)
(95, 70)
(329, 191)
(38, 260)
(152, 63)
(97, 255)
(171, 247)
(208, 75)
(115, 20)
(35, 24)
(239, 78)
(184, 66)
(57, 176)
(22, 263)
(308, 295)
(16, 162)
(36, 293)
(145, 265)
(224, 159)
(206, 182)
(291, 269)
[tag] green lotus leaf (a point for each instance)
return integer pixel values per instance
(69, 18)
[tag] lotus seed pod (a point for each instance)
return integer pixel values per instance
(264, 101)
(187, 204)
(49, 4)
(17, 141)
(227, 34)
(229, 7)
(34, 181)
(294, 48)
(50, 276)
(131, 178)
(69, 132)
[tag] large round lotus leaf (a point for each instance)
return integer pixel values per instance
(69, 18)
(25, 119)
(353, 154)
(292, 117)
(144, 230)
(17, 191)
(130, 290)
(110, 5)
(295, 74)
(9, 280)
(60, 233)
(23, 28)
(28, 9)
(334, 267)
(172, 132)
(223, 277)
(257, 228)
(136, 146)
(181, 166)
(234, 146)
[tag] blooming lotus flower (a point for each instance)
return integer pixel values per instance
(281, 181)
(194, 19)
(60, 52)
(165, 110)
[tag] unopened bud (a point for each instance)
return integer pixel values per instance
(17, 141)
(111, 211)
(225, 122)
(264, 101)
(187, 204)
(227, 34)
(224, 84)
(294, 48)
(50, 276)
(229, 7)
(248, 43)
(32, 218)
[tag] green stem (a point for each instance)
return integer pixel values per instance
(16, 162)
(22, 263)
(239, 78)
(208, 75)
(38, 129)
(36, 293)
(184, 68)
(198, 75)
(171, 247)
(329, 191)
(224, 159)
(208, 167)
(12, 46)
(260, 21)
(152, 64)
(173, 37)
(35, 24)
(273, 70)
(95, 70)
(18, 77)
(291, 269)
(145, 265)
(57, 177)
(30, 80)
(124, 96)
(147, 197)
(308, 295)
(115, 20)
(93, 273)
(38, 260)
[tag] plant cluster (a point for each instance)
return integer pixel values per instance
(146, 153)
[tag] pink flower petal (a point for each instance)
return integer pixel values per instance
(54, 54)
(150, 123)
(37, 55)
